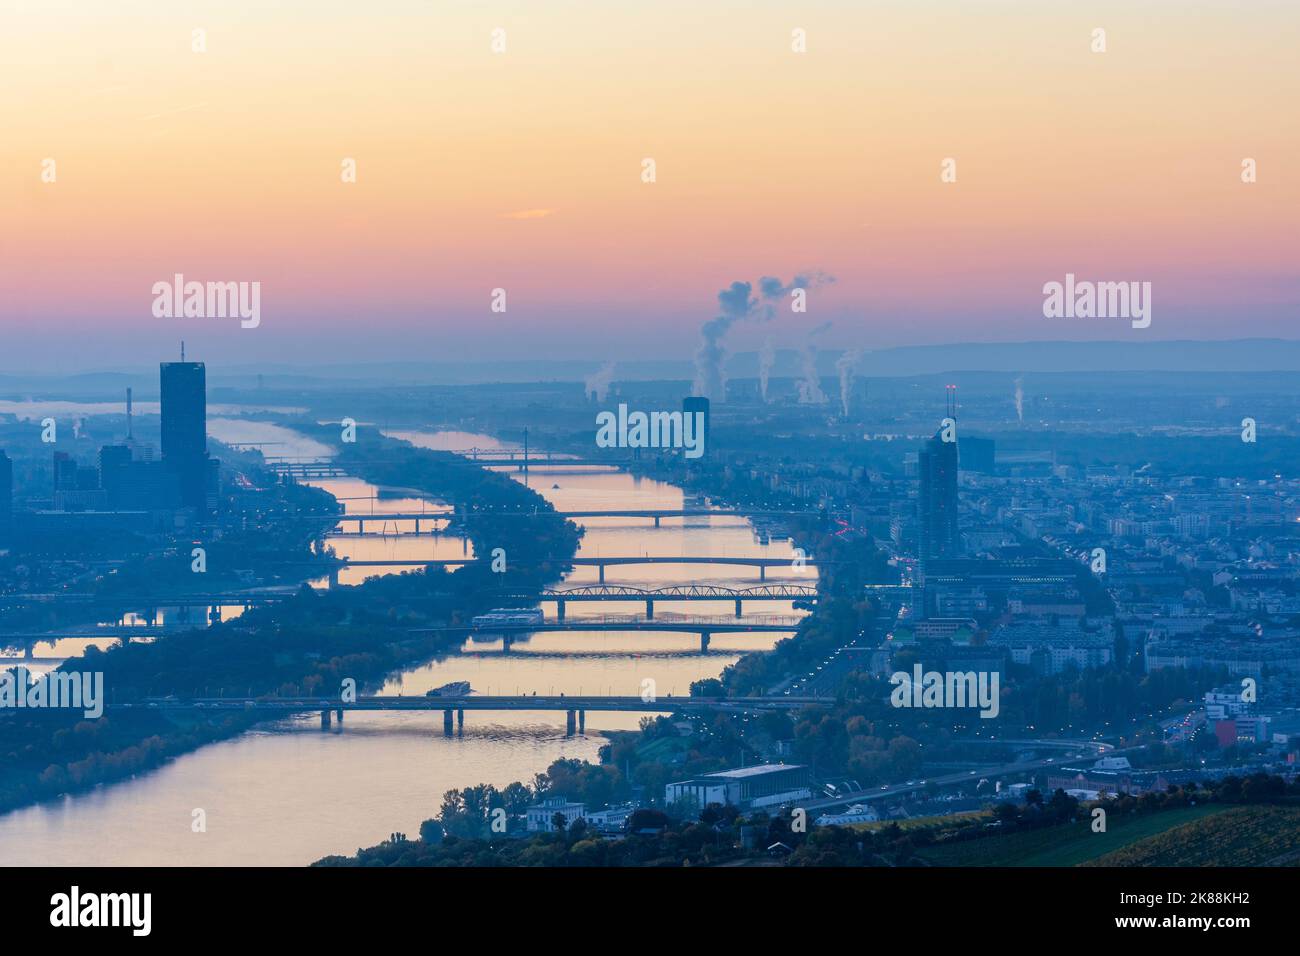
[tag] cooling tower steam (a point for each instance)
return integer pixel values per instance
(766, 360)
(810, 388)
(736, 302)
(847, 366)
(600, 380)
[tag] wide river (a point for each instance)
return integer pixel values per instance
(289, 793)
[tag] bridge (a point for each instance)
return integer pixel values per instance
(678, 592)
(575, 707)
(602, 563)
(122, 632)
(657, 514)
(705, 627)
(304, 467)
(244, 599)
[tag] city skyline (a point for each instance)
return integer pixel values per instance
(858, 439)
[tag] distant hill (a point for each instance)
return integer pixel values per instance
(1229, 355)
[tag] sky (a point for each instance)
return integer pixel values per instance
(522, 170)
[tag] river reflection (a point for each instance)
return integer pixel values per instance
(289, 793)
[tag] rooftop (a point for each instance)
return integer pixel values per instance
(743, 773)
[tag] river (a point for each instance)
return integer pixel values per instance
(288, 793)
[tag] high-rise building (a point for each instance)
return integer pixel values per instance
(936, 509)
(114, 460)
(185, 429)
(6, 496)
(977, 455)
(690, 406)
(65, 472)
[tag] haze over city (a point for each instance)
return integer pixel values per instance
(598, 436)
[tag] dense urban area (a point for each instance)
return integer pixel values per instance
(1047, 619)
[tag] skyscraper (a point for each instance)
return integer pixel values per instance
(937, 502)
(185, 428)
(977, 455)
(692, 405)
(6, 496)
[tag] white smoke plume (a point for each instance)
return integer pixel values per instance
(766, 360)
(600, 380)
(737, 302)
(1020, 400)
(847, 366)
(810, 389)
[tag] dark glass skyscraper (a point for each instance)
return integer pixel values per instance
(937, 502)
(6, 496)
(693, 404)
(185, 428)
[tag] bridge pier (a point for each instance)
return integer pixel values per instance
(649, 610)
(656, 521)
(506, 641)
(762, 572)
(27, 651)
(324, 720)
(361, 526)
(704, 641)
(334, 578)
(582, 721)
(446, 723)
(570, 723)
(559, 610)
(339, 714)
(737, 608)
(602, 573)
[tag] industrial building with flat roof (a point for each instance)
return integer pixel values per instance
(765, 785)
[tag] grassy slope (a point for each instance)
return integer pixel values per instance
(1065, 846)
(1242, 836)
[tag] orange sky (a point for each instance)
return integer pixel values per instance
(521, 170)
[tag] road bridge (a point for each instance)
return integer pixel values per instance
(705, 627)
(656, 514)
(244, 599)
(610, 562)
(575, 707)
(677, 592)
